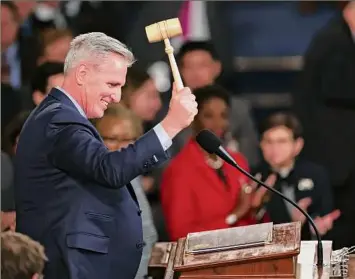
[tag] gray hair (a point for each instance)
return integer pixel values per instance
(85, 46)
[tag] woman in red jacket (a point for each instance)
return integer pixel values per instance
(200, 192)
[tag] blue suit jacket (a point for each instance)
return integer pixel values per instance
(74, 196)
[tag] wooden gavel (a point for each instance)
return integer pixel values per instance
(162, 31)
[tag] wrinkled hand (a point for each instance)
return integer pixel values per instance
(259, 193)
(297, 215)
(182, 111)
(325, 223)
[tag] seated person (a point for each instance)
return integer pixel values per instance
(200, 66)
(21, 257)
(198, 190)
(47, 76)
(303, 182)
(118, 128)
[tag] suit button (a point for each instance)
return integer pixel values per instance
(140, 245)
(139, 212)
(146, 165)
(154, 160)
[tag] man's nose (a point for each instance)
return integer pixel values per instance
(116, 97)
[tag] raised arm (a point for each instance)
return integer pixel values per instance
(78, 152)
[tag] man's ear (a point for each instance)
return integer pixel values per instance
(217, 68)
(37, 97)
(299, 143)
(36, 276)
(81, 73)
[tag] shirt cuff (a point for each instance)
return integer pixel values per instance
(163, 136)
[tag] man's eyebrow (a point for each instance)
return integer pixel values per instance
(114, 83)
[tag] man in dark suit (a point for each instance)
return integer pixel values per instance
(72, 194)
(326, 107)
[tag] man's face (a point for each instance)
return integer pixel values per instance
(145, 101)
(199, 69)
(116, 133)
(57, 51)
(101, 84)
(279, 147)
(9, 27)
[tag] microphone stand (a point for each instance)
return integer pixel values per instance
(309, 218)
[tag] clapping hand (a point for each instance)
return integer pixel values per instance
(251, 198)
(323, 224)
(259, 193)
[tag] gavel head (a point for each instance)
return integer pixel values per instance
(163, 29)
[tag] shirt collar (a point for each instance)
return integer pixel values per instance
(284, 172)
(11, 52)
(79, 108)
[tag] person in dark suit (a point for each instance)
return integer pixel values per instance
(72, 194)
(302, 181)
(325, 105)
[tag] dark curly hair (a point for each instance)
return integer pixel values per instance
(206, 93)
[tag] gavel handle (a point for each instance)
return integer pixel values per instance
(174, 68)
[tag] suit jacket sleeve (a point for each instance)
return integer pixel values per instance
(178, 202)
(78, 152)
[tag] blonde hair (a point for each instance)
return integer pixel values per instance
(21, 256)
(123, 113)
(95, 45)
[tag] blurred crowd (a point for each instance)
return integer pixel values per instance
(307, 153)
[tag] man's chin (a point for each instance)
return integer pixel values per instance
(97, 114)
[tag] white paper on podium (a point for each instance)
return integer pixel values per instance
(307, 258)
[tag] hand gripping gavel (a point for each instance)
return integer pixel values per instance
(163, 30)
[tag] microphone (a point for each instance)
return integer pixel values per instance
(213, 145)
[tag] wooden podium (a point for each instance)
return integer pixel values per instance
(275, 259)
(161, 253)
(306, 260)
